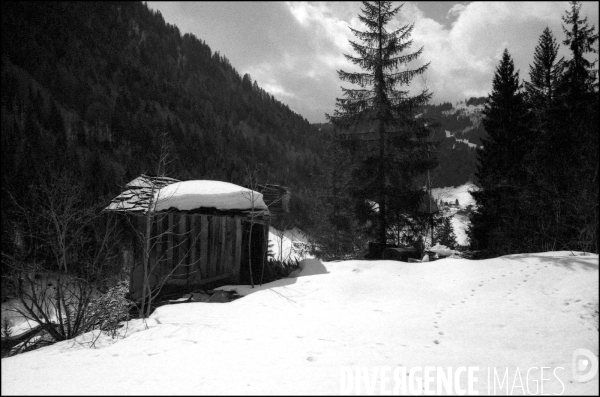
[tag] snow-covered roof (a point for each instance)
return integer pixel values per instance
(169, 193)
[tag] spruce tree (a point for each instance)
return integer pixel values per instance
(580, 75)
(445, 234)
(392, 139)
(544, 74)
(572, 185)
(501, 171)
(334, 225)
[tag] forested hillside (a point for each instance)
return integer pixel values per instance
(91, 87)
(459, 130)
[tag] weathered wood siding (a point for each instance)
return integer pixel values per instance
(190, 249)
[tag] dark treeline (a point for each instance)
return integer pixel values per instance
(539, 166)
(457, 159)
(92, 87)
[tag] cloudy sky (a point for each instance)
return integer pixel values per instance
(293, 49)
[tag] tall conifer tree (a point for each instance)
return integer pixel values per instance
(500, 168)
(580, 38)
(394, 145)
(544, 74)
(574, 184)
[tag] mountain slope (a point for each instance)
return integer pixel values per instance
(459, 131)
(93, 87)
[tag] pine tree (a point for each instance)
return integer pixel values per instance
(544, 74)
(445, 234)
(393, 144)
(501, 169)
(561, 198)
(580, 38)
(572, 186)
(334, 226)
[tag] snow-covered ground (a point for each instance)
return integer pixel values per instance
(289, 244)
(460, 222)
(451, 194)
(512, 317)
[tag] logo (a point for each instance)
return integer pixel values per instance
(584, 365)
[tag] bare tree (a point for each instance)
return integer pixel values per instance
(153, 281)
(252, 196)
(63, 259)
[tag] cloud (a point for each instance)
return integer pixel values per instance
(294, 49)
(465, 55)
(455, 10)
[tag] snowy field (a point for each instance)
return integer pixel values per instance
(315, 334)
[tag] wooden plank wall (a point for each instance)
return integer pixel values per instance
(195, 248)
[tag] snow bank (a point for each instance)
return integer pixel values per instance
(288, 244)
(297, 335)
(189, 195)
(309, 267)
(441, 250)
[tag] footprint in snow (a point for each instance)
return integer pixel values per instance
(441, 332)
(437, 342)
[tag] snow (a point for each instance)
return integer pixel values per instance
(309, 267)
(299, 335)
(185, 196)
(441, 250)
(460, 223)
(291, 244)
(189, 195)
(465, 141)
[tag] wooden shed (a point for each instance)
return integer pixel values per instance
(276, 197)
(200, 232)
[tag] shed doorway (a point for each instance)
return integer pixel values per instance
(258, 252)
